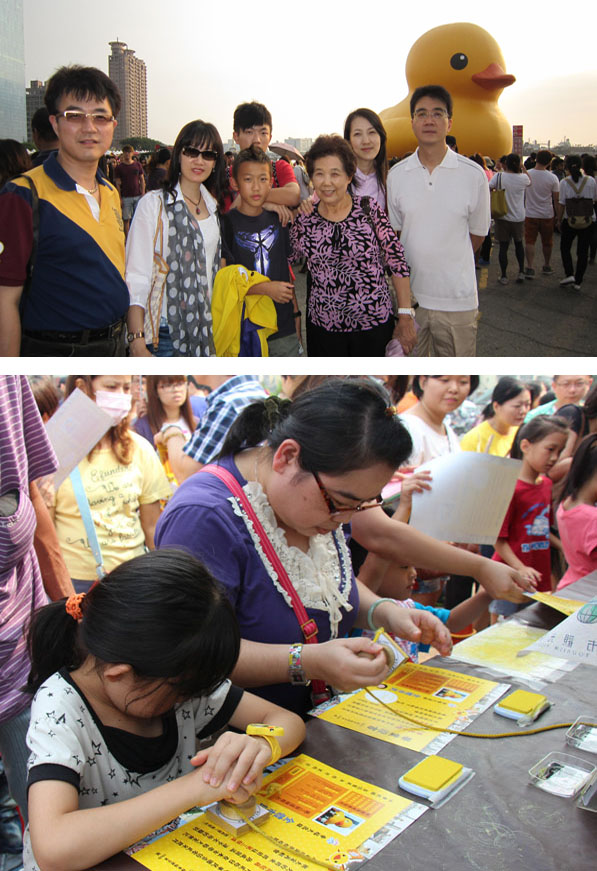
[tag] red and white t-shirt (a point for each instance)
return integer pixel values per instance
(526, 527)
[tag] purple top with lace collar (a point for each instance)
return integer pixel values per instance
(347, 261)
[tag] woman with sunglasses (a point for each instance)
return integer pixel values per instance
(173, 251)
(305, 467)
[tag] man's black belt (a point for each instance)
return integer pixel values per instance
(82, 337)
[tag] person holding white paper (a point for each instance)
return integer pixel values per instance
(123, 480)
(438, 395)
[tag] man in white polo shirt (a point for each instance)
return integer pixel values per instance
(438, 201)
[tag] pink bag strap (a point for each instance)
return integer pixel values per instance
(319, 690)
(307, 624)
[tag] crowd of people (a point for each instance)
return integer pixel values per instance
(223, 556)
(212, 239)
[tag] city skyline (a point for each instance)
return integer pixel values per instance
(302, 63)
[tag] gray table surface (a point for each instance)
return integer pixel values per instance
(498, 821)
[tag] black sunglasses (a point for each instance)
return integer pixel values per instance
(192, 152)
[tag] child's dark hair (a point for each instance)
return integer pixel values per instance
(583, 468)
(539, 427)
(248, 115)
(252, 154)
(340, 426)
(84, 83)
(507, 388)
(162, 613)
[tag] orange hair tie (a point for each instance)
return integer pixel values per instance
(72, 606)
(391, 411)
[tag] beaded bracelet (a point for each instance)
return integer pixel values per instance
(372, 609)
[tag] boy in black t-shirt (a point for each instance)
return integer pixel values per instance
(255, 239)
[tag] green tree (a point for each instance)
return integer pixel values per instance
(141, 143)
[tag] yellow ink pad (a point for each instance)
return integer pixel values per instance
(523, 706)
(433, 773)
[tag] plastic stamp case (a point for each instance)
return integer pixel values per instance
(562, 774)
(583, 734)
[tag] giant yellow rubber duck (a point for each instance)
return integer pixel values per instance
(468, 62)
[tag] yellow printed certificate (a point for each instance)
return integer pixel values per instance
(328, 815)
(434, 696)
(566, 606)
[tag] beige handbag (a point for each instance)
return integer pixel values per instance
(159, 271)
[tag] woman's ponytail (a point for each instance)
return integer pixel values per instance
(254, 424)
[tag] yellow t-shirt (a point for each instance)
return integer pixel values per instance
(115, 493)
(478, 440)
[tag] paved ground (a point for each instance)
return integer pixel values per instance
(535, 319)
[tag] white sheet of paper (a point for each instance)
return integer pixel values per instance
(76, 427)
(574, 638)
(469, 497)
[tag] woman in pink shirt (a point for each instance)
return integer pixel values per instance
(364, 130)
(577, 513)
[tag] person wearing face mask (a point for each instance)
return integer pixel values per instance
(123, 480)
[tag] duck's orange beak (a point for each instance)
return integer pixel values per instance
(493, 77)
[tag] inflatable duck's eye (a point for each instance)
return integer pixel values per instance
(458, 61)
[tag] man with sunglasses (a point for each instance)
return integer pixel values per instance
(62, 288)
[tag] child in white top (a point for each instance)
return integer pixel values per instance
(127, 678)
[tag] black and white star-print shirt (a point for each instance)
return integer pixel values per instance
(106, 765)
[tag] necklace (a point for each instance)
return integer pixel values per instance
(196, 204)
(93, 190)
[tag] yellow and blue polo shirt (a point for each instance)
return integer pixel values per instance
(78, 276)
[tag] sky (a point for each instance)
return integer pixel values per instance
(313, 62)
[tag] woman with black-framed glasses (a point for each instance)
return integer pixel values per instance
(173, 251)
(301, 470)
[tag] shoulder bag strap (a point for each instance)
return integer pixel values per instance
(307, 624)
(85, 511)
(577, 190)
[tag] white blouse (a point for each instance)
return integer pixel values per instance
(139, 244)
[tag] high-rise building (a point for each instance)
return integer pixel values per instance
(12, 71)
(129, 74)
(34, 100)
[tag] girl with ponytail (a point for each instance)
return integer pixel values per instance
(126, 677)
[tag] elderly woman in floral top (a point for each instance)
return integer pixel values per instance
(348, 243)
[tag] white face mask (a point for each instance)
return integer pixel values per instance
(117, 405)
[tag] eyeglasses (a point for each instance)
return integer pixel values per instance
(192, 152)
(333, 508)
(75, 117)
(566, 385)
(436, 114)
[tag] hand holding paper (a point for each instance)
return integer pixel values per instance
(469, 498)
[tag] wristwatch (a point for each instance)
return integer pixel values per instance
(296, 675)
(130, 337)
(406, 311)
(269, 733)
